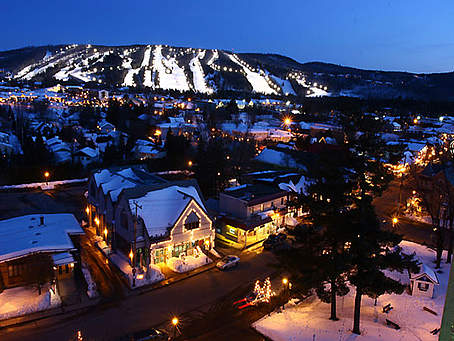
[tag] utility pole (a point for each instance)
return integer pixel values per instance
(136, 205)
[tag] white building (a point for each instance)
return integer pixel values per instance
(424, 282)
(171, 221)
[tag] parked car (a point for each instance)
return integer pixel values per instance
(228, 262)
(151, 334)
(274, 240)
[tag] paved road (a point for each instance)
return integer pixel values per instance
(108, 279)
(112, 320)
(387, 207)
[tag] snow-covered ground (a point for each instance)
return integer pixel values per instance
(151, 276)
(285, 85)
(198, 75)
(258, 81)
(171, 75)
(92, 291)
(45, 185)
(278, 158)
(147, 81)
(187, 263)
(315, 91)
(309, 319)
(25, 300)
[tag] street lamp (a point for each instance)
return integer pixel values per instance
(105, 234)
(189, 163)
(175, 326)
(175, 321)
(395, 221)
(131, 256)
(46, 176)
(286, 285)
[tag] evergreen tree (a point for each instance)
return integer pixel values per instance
(372, 249)
(323, 260)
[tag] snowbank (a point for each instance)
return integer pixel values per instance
(25, 300)
(187, 263)
(92, 290)
(144, 277)
(309, 319)
(44, 185)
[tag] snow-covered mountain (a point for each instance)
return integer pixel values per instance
(210, 71)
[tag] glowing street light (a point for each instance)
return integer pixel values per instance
(285, 281)
(395, 221)
(175, 321)
(131, 256)
(287, 121)
(190, 163)
(105, 233)
(46, 176)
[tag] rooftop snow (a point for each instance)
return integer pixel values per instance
(162, 208)
(23, 235)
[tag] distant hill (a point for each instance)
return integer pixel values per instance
(210, 71)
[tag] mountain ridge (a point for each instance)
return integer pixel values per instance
(211, 71)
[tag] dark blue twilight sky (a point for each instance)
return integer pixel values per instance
(408, 35)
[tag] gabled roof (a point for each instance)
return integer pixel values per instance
(427, 272)
(163, 204)
(116, 179)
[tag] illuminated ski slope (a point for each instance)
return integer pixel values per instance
(258, 82)
(314, 91)
(198, 76)
(147, 81)
(171, 75)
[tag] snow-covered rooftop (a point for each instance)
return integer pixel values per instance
(161, 208)
(24, 235)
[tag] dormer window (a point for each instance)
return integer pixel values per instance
(192, 221)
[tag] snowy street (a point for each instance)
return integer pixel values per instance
(152, 308)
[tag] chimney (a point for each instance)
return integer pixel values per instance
(41, 220)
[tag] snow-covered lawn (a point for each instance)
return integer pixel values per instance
(151, 276)
(309, 318)
(25, 300)
(187, 263)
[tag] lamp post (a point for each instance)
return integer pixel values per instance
(46, 176)
(395, 221)
(175, 322)
(285, 283)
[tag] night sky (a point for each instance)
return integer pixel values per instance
(407, 35)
